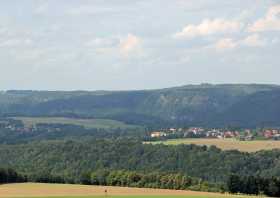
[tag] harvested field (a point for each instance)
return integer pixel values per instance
(29, 190)
(227, 144)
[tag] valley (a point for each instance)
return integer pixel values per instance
(191, 138)
(139, 98)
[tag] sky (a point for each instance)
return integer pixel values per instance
(137, 44)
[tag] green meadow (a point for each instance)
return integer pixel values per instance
(87, 123)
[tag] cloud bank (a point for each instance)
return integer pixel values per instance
(209, 27)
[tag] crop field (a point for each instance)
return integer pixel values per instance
(227, 144)
(87, 123)
(32, 190)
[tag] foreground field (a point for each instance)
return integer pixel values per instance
(30, 190)
(87, 123)
(228, 144)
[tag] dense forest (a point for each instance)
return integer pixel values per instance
(205, 105)
(128, 162)
(70, 159)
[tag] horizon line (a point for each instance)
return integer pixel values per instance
(147, 89)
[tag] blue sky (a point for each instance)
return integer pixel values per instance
(137, 44)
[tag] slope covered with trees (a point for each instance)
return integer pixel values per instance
(204, 104)
(259, 109)
(69, 159)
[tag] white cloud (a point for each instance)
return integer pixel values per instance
(208, 27)
(122, 45)
(254, 41)
(129, 44)
(271, 22)
(226, 43)
(250, 41)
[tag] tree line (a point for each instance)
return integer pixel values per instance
(8, 175)
(254, 185)
(71, 161)
(125, 178)
(106, 177)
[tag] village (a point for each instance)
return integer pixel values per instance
(19, 127)
(218, 133)
(166, 133)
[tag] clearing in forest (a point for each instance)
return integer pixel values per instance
(87, 123)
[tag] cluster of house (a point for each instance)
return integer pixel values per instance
(13, 127)
(10, 126)
(271, 133)
(244, 134)
(26, 129)
(221, 134)
(197, 131)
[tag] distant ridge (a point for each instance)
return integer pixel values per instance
(245, 105)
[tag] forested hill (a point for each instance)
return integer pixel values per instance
(228, 104)
(70, 159)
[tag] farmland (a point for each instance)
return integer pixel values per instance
(227, 144)
(29, 190)
(87, 123)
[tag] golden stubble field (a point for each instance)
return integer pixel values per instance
(227, 144)
(30, 190)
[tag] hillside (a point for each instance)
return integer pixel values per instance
(70, 159)
(206, 104)
(258, 109)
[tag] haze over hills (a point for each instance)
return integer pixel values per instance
(244, 105)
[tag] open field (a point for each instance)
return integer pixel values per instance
(227, 144)
(29, 190)
(87, 123)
